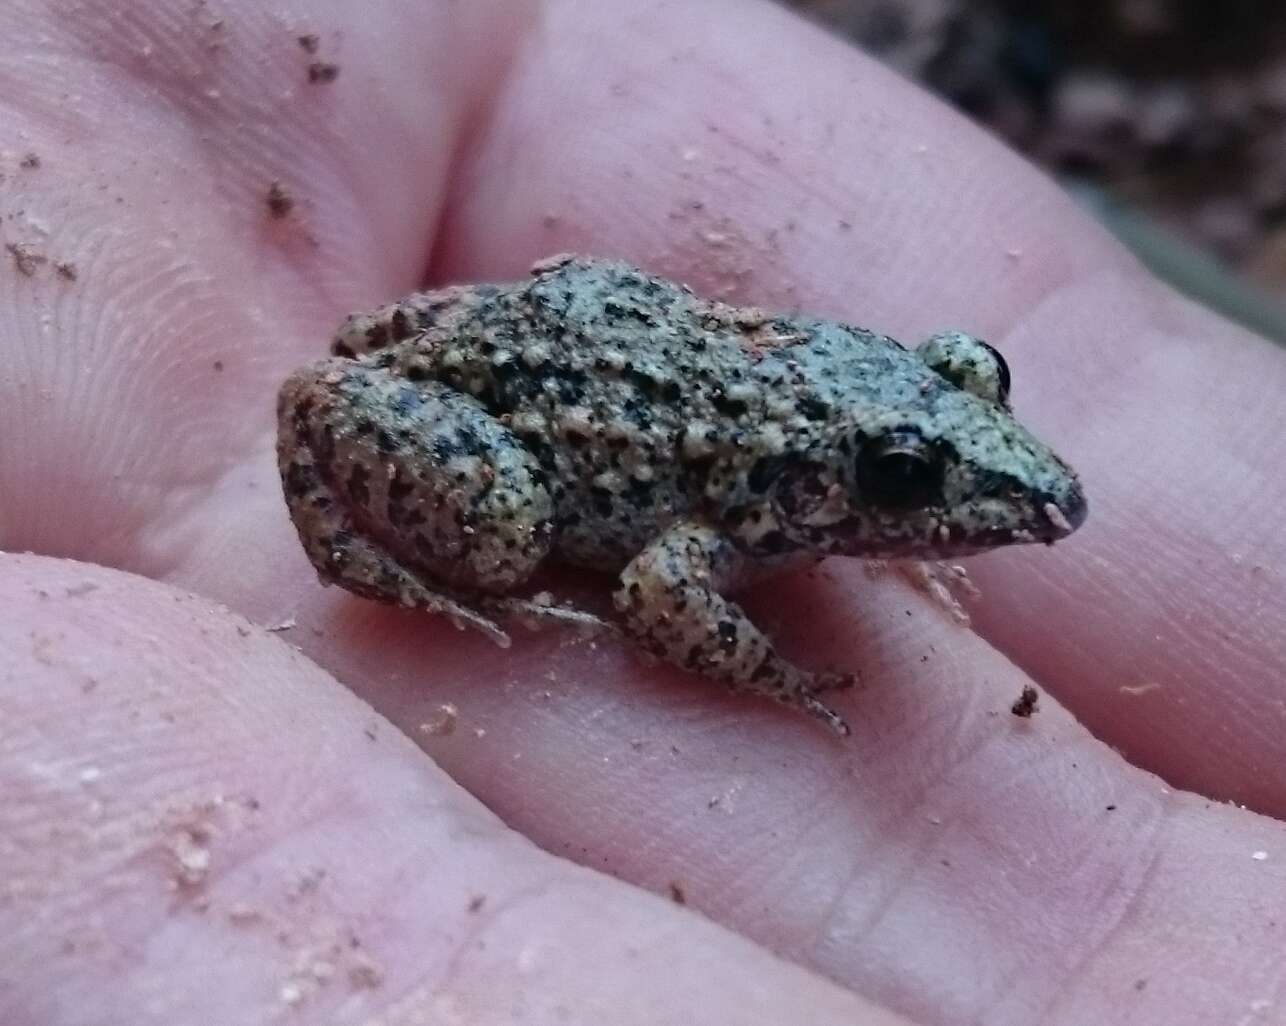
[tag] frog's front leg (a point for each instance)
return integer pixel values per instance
(671, 603)
(408, 491)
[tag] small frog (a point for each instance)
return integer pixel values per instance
(609, 419)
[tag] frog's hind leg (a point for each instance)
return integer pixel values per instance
(409, 492)
(343, 557)
(670, 598)
(362, 568)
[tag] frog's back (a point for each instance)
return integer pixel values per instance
(634, 394)
(616, 369)
(709, 360)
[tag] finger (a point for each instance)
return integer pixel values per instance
(950, 860)
(200, 826)
(794, 173)
(186, 231)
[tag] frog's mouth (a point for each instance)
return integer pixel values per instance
(1043, 518)
(940, 532)
(973, 528)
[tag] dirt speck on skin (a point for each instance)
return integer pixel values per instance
(308, 883)
(476, 903)
(323, 71)
(1025, 705)
(189, 833)
(26, 258)
(280, 202)
(30, 161)
(66, 270)
(365, 974)
(677, 894)
(242, 914)
(443, 722)
(726, 252)
(188, 847)
(291, 994)
(310, 41)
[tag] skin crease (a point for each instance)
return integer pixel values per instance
(948, 862)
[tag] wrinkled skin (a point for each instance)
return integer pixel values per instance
(197, 822)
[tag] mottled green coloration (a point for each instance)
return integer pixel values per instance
(609, 419)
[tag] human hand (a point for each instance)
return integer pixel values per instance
(198, 825)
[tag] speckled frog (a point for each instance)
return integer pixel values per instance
(609, 419)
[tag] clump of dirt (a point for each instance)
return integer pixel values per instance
(1025, 705)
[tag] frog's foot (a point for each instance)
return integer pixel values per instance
(788, 684)
(462, 616)
(362, 568)
(944, 584)
(535, 614)
(833, 681)
(368, 571)
(669, 597)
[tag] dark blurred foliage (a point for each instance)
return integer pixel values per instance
(1176, 105)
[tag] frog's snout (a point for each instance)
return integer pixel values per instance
(1066, 511)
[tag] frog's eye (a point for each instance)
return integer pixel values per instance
(899, 470)
(1003, 379)
(969, 363)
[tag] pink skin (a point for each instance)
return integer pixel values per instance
(947, 864)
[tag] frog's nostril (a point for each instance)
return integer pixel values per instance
(1079, 505)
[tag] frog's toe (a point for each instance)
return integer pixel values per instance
(815, 707)
(534, 615)
(464, 618)
(834, 681)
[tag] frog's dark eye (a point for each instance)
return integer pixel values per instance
(970, 364)
(1002, 369)
(899, 470)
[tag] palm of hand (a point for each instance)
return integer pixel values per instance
(170, 771)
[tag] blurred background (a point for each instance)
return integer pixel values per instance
(1166, 117)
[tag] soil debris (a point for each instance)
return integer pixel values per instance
(280, 202)
(1025, 705)
(323, 71)
(26, 257)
